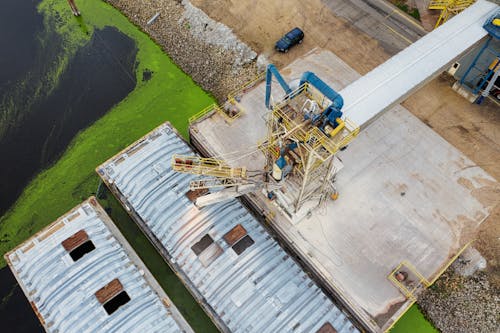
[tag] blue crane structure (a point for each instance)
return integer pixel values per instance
(331, 115)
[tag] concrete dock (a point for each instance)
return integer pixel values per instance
(406, 197)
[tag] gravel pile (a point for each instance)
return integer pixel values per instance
(462, 304)
(206, 50)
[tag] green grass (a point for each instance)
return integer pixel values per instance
(409, 10)
(169, 95)
(413, 321)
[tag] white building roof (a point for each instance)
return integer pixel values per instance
(64, 268)
(242, 276)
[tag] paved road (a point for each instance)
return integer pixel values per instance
(380, 20)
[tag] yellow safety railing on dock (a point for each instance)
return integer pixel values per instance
(243, 89)
(232, 99)
(400, 315)
(196, 165)
(450, 262)
(233, 114)
(426, 283)
(211, 109)
(202, 113)
(404, 290)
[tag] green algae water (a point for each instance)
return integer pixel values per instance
(91, 84)
(160, 92)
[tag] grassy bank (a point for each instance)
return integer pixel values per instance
(168, 95)
(413, 321)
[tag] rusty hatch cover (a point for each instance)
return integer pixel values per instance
(235, 234)
(76, 240)
(108, 291)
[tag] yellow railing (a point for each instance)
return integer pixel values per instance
(202, 113)
(215, 108)
(409, 293)
(265, 146)
(206, 166)
(426, 283)
(231, 99)
(400, 315)
(233, 114)
(450, 262)
(241, 90)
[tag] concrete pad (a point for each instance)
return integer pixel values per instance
(405, 194)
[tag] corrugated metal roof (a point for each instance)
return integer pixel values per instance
(260, 290)
(62, 291)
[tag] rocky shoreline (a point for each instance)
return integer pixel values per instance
(462, 304)
(206, 50)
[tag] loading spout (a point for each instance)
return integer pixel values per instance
(271, 69)
(312, 79)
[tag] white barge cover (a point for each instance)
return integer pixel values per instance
(394, 80)
(237, 271)
(80, 275)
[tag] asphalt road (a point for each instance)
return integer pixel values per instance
(380, 20)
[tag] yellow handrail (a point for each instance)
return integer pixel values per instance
(206, 166)
(202, 113)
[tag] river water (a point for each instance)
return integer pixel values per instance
(39, 118)
(40, 124)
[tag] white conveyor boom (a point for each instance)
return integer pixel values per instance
(398, 77)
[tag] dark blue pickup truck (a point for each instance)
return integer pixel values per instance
(295, 36)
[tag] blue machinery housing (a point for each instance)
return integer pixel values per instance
(330, 115)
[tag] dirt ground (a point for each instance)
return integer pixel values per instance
(261, 23)
(473, 129)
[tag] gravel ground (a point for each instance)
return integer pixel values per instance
(457, 304)
(206, 50)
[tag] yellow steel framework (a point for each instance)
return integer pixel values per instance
(449, 8)
(206, 166)
(408, 291)
(313, 165)
(312, 153)
(207, 183)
